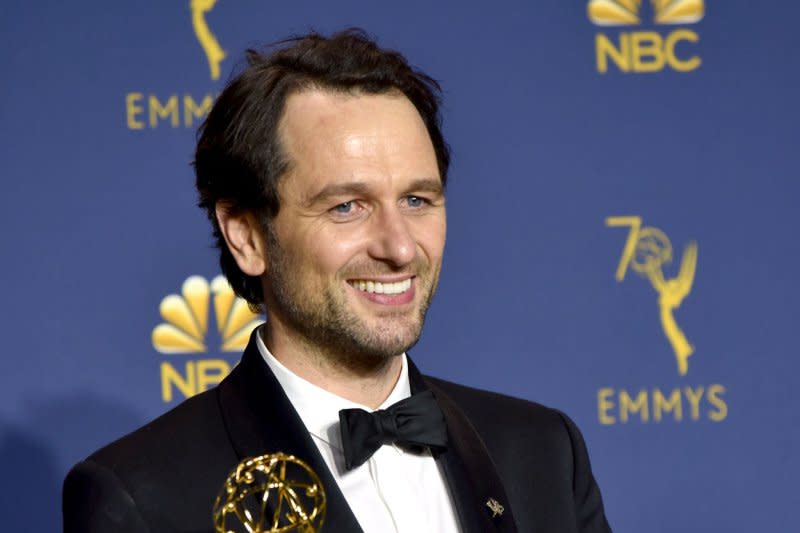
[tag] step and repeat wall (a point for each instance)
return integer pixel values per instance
(623, 231)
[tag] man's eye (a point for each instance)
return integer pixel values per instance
(344, 208)
(415, 201)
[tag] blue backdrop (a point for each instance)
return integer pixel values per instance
(623, 212)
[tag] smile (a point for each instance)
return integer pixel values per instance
(378, 287)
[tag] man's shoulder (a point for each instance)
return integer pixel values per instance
(191, 425)
(474, 401)
(539, 454)
(186, 446)
(182, 455)
(504, 420)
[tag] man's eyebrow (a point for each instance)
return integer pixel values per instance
(433, 185)
(359, 188)
(338, 189)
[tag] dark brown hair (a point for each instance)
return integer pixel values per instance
(239, 159)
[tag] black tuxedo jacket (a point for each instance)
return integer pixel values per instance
(165, 476)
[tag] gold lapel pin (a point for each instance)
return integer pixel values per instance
(495, 507)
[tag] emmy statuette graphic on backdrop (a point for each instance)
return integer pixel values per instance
(646, 250)
(211, 47)
(275, 493)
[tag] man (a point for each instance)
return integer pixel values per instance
(322, 167)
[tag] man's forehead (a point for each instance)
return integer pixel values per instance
(312, 108)
(343, 136)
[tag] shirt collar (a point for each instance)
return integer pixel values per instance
(318, 408)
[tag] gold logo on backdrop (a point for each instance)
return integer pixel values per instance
(145, 110)
(185, 330)
(628, 12)
(646, 251)
(211, 47)
(186, 317)
(645, 51)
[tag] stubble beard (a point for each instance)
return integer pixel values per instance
(327, 326)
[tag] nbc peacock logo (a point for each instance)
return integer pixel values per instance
(629, 12)
(646, 51)
(186, 332)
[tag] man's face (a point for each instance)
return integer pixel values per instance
(355, 251)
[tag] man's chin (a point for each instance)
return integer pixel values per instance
(382, 342)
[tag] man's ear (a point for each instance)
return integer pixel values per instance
(244, 237)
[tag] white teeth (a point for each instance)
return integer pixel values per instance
(382, 288)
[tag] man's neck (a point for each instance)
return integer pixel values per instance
(366, 385)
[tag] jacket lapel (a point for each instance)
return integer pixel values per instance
(260, 420)
(471, 474)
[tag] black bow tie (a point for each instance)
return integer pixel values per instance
(413, 424)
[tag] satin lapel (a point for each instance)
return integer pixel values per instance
(470, 471)
(260, 419)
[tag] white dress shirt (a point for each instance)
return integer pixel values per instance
(394, 491)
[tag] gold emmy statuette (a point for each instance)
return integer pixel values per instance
(646, 251)
(275, 493)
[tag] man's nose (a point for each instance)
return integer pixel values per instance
(391, 240)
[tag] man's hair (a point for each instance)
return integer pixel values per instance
(239, 158)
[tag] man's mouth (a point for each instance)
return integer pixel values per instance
(378, 287)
